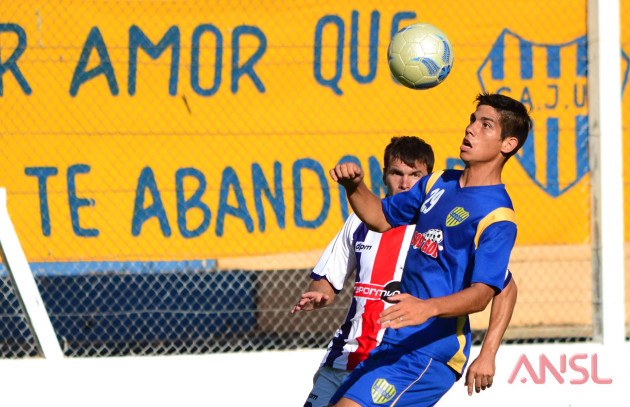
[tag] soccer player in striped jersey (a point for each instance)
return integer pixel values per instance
(378, 260)
(464, 234)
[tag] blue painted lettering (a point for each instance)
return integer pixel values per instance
(74, 202)
(42, 174)
(11, 63)
(309, 164)
(184, 205)
(554, 89)
(332, 83)
(230, 181)
(155, 210)
(248, 66)
(526, 98)
(354, 47)
(218, 59)
(261, 185)
(105, 67)
(398, 17)
(138, 39)
(577, 100)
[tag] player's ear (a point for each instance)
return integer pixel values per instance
(509, 144)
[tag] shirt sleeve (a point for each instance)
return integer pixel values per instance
(404, 207)
(508, 278)
(493, 255)
(338, 260)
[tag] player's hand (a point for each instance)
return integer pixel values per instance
(349, 175)
(480, 374)
(310, 301)
(407, 311)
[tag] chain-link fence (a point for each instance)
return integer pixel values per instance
(176, 312)
(16, 336)
(184, 312)
(166, 161)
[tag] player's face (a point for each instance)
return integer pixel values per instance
(400, 177)
(482, 142)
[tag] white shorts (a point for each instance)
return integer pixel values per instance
(325, 383)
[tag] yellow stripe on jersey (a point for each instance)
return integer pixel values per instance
(497, 215)
(432, 180)
(458, 360)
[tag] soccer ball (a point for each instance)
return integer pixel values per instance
(420, 56)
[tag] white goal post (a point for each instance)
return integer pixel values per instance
(606, 166)
(25, 287)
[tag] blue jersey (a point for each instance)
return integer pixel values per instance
(462, 236)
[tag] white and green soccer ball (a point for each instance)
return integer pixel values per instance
(420, 56)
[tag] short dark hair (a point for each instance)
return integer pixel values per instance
(513, 115)
(410, 150)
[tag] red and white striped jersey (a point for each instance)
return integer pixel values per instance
(378, 259)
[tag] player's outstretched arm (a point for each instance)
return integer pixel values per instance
(320, 294)
(365, 204)
(481, 371)
(410, 310)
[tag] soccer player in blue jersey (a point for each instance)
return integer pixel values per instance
(458, 257)
(378, 259)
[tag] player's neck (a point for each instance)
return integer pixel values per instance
(479, 175)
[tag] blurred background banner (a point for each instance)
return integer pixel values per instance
(160, 130)
(174, 136)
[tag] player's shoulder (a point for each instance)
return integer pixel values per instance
(440, 177)
(353, 222)
(496, 196)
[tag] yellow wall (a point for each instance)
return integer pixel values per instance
(100, 136)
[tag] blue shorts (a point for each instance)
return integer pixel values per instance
(397, 377)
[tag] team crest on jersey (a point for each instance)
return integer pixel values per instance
(456, 216)
(382, 391)
(428, 242)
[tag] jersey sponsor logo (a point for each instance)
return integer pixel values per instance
(428, 242)
(431, 200)
(382, 391)
(456, 216)
(391, 288)
(362, 247)
(376, 291)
